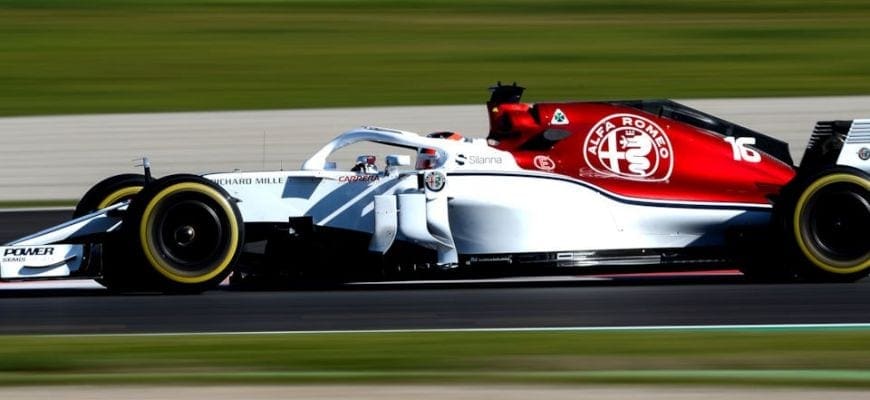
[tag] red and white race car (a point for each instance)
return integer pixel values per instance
(567, 187)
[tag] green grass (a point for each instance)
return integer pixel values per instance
(89, 56)
(835, 358)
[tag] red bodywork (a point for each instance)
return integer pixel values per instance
(636, 154)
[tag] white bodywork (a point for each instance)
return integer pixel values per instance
(856, 148)
(488, 205)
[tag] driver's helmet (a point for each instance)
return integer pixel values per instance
(428, 158)
(366, 164)
(446, 135)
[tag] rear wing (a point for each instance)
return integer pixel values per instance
(844, 143)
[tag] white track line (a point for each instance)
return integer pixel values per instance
(571, 329)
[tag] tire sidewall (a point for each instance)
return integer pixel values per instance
(109, 191)
(800, 198)
(108, 259)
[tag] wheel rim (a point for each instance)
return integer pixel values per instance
(836, 225)
(189, 233)
(831, 221)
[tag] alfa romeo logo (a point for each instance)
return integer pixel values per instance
(434, 180)
(629, 146)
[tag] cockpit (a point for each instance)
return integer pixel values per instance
(368, 154)
(371, 150)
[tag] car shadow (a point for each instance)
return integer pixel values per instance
(410, 285)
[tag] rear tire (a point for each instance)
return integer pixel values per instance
(826, 223)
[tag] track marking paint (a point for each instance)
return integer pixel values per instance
(568, 329)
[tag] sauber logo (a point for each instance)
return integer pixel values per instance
(544, 163)
(629, 146)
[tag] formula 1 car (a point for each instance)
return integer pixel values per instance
(555, 188)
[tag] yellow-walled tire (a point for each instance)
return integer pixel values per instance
(188, 232)
(108, 259)
(109, 191)
(828, 224)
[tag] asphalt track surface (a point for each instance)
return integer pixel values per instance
(633, 301)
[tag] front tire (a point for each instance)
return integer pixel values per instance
(109, 191)
(108, 259)
(187, 232)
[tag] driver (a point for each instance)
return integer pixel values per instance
(428, 158)
(365, 164)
